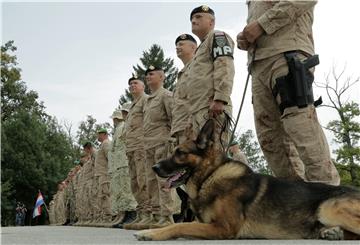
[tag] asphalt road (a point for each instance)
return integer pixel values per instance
(89, 235)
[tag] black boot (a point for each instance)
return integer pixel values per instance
(128, 218)
(67, 222)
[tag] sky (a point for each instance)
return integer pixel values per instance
(79, 56)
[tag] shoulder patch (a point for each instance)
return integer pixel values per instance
(221, 46)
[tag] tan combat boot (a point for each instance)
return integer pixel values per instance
(139, 217)
(87, 221)
(146, 223)
(163, 221)
(96, 221)
(146, 219)
(82, 222)
(119, 217)
(107, 221)
(79, 222)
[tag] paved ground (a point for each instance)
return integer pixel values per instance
(87, 235)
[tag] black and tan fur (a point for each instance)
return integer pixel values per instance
(231, 201)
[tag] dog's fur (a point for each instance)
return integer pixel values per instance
(231, 201)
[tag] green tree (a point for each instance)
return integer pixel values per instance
(14, 93)
(154, 56)
(76, 148)
(346, 128)
(36, 152)
(88, 130)
(251, 148)
(7, 203)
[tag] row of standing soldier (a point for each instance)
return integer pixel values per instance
(288, 131)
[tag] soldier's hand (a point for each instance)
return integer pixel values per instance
(242, 43)
(216, 108)
(253, 31)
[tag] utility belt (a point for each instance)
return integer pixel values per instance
(295, 88)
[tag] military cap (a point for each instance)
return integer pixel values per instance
(134, 77)
(117, 114)
(102, 130)
(153, 68)
(86, 143)
(184, 37)
(126, 107)
(202, 9)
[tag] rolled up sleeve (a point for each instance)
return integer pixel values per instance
(283, 13)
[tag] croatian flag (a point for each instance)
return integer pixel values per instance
(39, 202)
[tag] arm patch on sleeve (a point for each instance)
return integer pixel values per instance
(221, 46)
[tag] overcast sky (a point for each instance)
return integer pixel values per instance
(79, 56)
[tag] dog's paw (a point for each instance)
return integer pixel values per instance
(144, 235)
(332, 233)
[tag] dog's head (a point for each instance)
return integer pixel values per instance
(187, 157)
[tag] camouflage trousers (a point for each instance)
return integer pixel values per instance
(60, 212)
(71, 205)
(222, 135)
(180, 137)
(79, 203)
(176, 139)
(103, 198)
(88, 199)
(136, 161)
(52, 219)
(293, 143)
(240, 156)
(122, 198)
(95, 208)
(162, 202)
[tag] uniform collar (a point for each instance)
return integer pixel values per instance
(137, 99)
(156, 92)
(206, 37)
(186, 66)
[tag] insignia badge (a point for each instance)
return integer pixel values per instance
(183, 36)
(151, 67)
(220, 41)
(205, 8)
(135, 76)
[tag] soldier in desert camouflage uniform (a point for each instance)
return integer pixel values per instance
(123, 203)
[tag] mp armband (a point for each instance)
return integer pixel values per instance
(221, 46)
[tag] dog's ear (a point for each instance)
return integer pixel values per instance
(206, 134)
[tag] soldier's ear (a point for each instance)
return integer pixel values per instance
(206, 135)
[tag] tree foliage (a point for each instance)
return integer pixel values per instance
(346, 128)
(88, 130)
(36, 152)
(154, 56)
(14, 93)
(251, 148)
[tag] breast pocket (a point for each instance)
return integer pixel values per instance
(137, 118)
(155, 110)
(203, 53)
(181, 90)
(137, 122)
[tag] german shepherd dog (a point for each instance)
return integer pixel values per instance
(230, 201)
